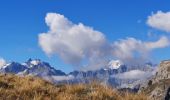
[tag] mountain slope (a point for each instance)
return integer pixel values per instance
(12, 67)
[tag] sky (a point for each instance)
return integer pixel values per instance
(73, 33)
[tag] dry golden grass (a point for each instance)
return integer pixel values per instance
(28, 88)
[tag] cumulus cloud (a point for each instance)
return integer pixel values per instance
(81, 45)
(72, 42)
(2, 62)
(161, 43)
(160, 20)
(133, 51)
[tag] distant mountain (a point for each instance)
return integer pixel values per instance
(13, 67)
(31, 67)
(115, 73)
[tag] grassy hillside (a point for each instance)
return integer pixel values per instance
(28, 88)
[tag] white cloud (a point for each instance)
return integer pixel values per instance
(72, 42)
(80, 45)
(2, 62)
(62, 78)
(161, 43)
(132, 50)
(160, 20)
(134, 74)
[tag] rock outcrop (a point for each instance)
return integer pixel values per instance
(158, 88)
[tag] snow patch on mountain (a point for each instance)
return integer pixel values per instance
(115, 64)
(35, 62)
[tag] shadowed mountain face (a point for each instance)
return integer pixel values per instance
(115, 74)
(13, 67)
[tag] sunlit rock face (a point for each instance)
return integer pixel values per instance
(163, 71)
(158, 88)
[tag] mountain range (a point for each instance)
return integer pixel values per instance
(115, 73)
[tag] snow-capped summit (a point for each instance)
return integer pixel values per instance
(32, 63)
(35, 62)
(36, 67)
(115, 64)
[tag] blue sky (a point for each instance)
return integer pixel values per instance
(21, 22)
